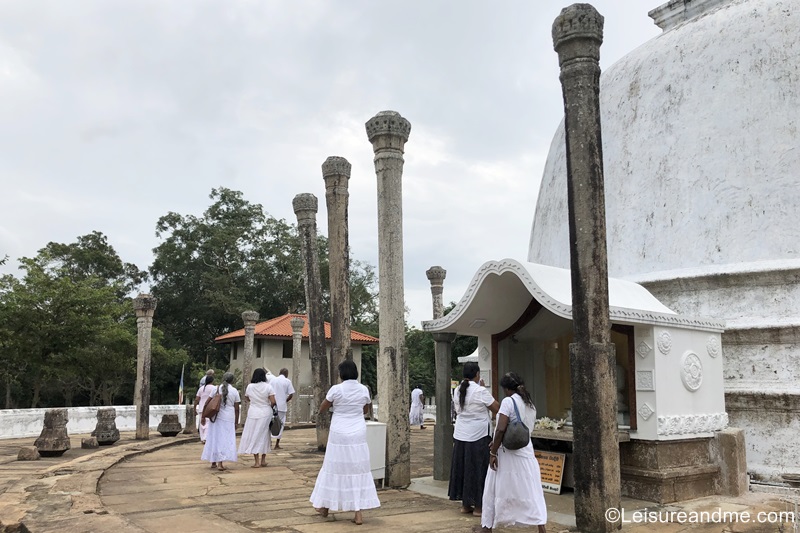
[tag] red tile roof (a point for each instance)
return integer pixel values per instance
(281, 328)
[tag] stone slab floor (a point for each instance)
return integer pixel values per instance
(172, 490)
(158, 486)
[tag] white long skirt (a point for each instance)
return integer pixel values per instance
(513, 493)
(255, 436)
(220, 442)
(415, 415)
(345, 481)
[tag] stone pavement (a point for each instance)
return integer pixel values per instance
(154, 486)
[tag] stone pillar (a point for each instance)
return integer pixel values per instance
(577, 36)
(305, 207)
(250, 318)
(106, 428)
(191, 420)
(297, 346)
(443, 430)
(145, 306)
(53, 441)
(336, 172)
(388, 133)
(436, 275)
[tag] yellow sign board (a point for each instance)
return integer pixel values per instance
(551, 465)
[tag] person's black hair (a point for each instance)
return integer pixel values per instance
(512, 381)
(259, 375)
(209, 380)
(284, 372)
(348, 370)
(471, 370)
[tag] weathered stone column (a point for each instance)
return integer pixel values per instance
(145, 307)
(443, 430)
(336, 172)
(297, 346)
(577, 36)
(250, 318)
(388, 133)
(305, 207)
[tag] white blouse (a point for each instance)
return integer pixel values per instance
(474, 418)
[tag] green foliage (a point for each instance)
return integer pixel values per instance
(66, 327)
(235, 257)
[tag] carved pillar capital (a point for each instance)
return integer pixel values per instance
(297, 324)
(305, 206)
(578, 33)
(250, 318)
(388, 130)
(145, 305)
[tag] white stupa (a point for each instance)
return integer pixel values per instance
(701, 147)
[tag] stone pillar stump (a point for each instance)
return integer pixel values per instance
(106, 430)
(170, 425)
(53, 441)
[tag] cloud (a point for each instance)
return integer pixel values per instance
(115, 113)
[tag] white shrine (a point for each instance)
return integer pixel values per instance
(671, 404)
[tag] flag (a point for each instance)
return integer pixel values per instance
(180, 388)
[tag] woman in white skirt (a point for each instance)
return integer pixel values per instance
(255, 436)
(203, 394)
(513, 494)
(221, 435)
(345, 481)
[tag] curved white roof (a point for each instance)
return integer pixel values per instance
(501, 291)
(701, 146)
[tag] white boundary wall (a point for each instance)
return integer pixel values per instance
(16, 423)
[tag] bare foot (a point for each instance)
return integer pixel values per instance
(277, 447)
(476, 511)
(542, 528)
(256, 466)
(263, 463)
(221, 468)
(323, 512)
(213, 465)
(358, 519)
(479, 529)
(466, 510)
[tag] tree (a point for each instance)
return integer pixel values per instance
(67, 327)
(208, 269)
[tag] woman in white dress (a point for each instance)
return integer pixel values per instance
(415, 414)
(345, 481)
(203, 394)
(513, 494)
(255, 436)
(471, 437)
(221, 436)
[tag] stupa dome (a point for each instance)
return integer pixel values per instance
(701, 144)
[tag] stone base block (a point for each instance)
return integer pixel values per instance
(668, 471)
(728, 451)
(169, 426)
(28, 453)
(89, 443)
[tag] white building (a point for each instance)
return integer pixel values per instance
(273, 348)
(701, 148)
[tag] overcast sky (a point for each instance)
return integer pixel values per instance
(113, 113)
